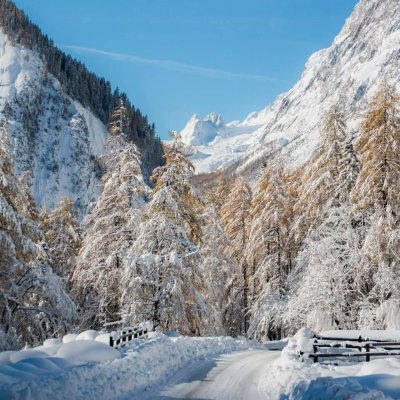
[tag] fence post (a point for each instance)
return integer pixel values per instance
(368, 357)
(315, 349)
(111, 341)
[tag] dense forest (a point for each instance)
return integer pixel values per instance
(315, 247)
(80, 84)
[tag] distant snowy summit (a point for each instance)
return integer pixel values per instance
(366, 51)
(215, 145)
(198, 132)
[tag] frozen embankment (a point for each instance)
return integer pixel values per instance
(89, 369)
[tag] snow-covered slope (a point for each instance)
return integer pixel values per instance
(366, 51)
(215, 145)
(51, 136)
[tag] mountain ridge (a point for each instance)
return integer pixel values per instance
(55, 113)
(347, 73)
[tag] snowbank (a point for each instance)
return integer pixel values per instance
(389, 335)
(289, 378)
(53, 357)
(103, 372)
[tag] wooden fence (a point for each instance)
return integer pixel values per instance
(126, 335)
(363, 349)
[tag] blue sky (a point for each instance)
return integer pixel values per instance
(175, 58)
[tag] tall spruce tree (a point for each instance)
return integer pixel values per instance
(377, 200)
(235, 219)
(323, 175)
(62, 238)
(109, 231)
(164, 283)
(33, 302)
(270, 251)
(222, 276)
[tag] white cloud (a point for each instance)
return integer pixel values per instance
(172, 65)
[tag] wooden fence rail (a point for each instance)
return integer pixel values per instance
(127, 335)
(364, 348)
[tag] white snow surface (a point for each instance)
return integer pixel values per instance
(290, 378)
(52, 137)
(176, 367)
(233, 376)
(92, 370)
(347, 73)
(389, 335)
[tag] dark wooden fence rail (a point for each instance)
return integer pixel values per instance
(364, 348)
(127, 335)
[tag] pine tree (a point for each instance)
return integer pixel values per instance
(109, 231)
(218, 194)
(323, 184)
(164, 282)
(118, 123)
(379, 149)
(62, 238)
(33, 301)
(377, 201)
(174, 194)
(322, 290)
(270, 251)
(235, 218)
(222, 275)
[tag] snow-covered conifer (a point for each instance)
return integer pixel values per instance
(322, 292)
(270, 251)
(119, 121)
(218, 194)
(222, 275)
(324, 180)
(174, 195)
(61, 234)
(235, 219)
(33, 301)
(379, 149)
(109, 231)
(163, 278)
(377, 201)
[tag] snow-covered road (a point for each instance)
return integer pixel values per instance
(234, 376)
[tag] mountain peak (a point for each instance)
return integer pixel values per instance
(199, 132)
(215, 119)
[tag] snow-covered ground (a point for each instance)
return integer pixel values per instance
(86, 368)
(177, 367)
(290, 378)
(230, 377)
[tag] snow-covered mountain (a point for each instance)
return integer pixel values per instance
(215, 145)
(55, 113)
(198, 132)
(366, 51)
(52, 137)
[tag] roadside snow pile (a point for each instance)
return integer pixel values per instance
(89, 369)
(55, 356)
(289, 378)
